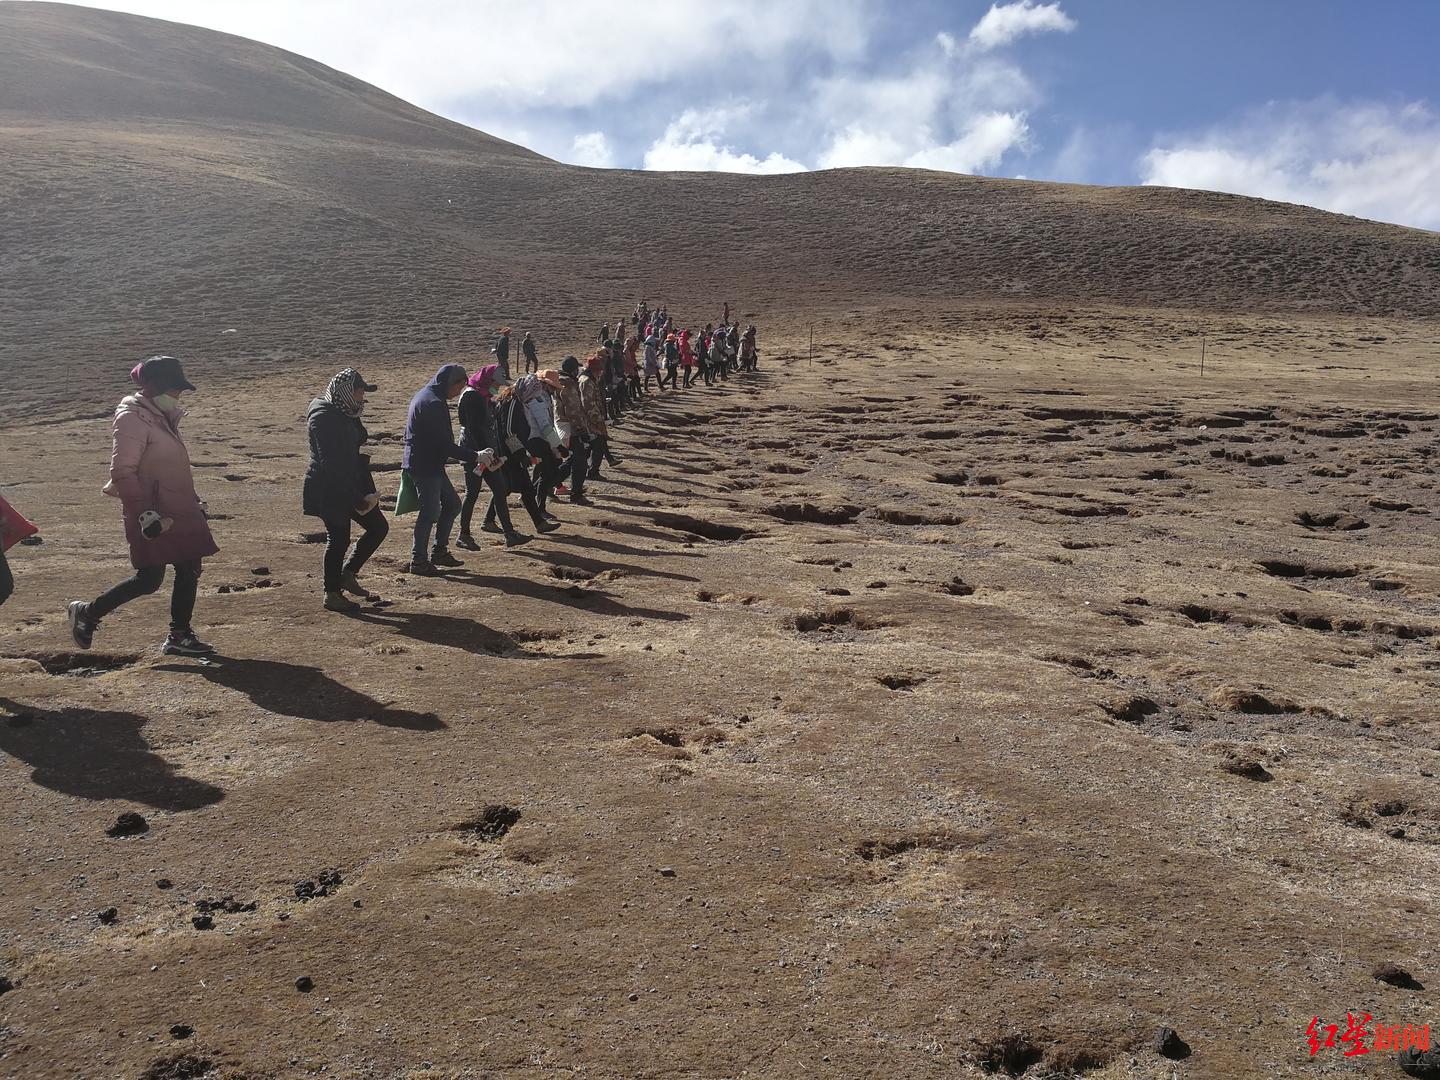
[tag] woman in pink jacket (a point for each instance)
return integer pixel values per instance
(164, 519)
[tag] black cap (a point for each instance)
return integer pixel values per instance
(369, 388)
(163, 373)
(570, 366)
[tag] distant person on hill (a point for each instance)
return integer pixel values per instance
(717, 355)
(501, 350)
(572, 416)
(165, 521)
(527, 349)
(480, 431)
(672, 362)
(429, 446)
(632, 367)
(339, 487)
(732, 347)
(749, 355)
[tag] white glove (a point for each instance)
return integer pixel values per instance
(368, 503)
(484, 460)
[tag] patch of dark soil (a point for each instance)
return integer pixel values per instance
(786, 469)
(817, 513)
(178, 1067)
(1391, 975)
(1251, 702)
(1132, 709)
(890, 846)
(1248, 767)
(896, 516)
(956, 478)
(570, 573)
(493, 823)
(1198, 613)
(667, 735)
(128, 824)
(957, 587)
(707, 530)
(1330, 519)
(313, 537)
(323, 884)
(78, 664)
(1012, 1054)
(900, 682)
(1282, 568)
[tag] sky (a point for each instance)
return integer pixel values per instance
(1330, 103)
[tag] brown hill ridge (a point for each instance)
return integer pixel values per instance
(161, 184)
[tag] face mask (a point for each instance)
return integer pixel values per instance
(166, 402)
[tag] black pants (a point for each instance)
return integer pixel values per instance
(689, 375)
(547, 472)
(7, 581)
(495, 481)
(145, 582)
(513, 477)
(337, 544)
(580, 450)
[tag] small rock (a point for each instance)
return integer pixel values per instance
(164, 883)
(1395, 832)
(1247, 767)
(128, 824)
(1391, 975)
(1132, 709)
(203, 922)
(304, 984)
(667, 871)
(260, 571)
(1170, 1045)
(109, 916)
(181, 1031)
(634, 997)
(878, 585)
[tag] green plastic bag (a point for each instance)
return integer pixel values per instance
(408, 501)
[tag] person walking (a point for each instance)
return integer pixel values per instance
(592, 398)
(547, 440)
(527, 349)
(429, 446)
(652, 361)
(340, 489)
(165, 521)
(480, 432)
(687, 358)
(514, 428)
(572, 416)
(632, 369)
(718, 364)
(501, 349)
(749, 355)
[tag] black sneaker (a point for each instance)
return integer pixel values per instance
(444, 558)
(187, 644)
(467, 542)
(580, 500)
(546, 526)
(420, 569)
(515, 539)
(82, 627)
(490, 527)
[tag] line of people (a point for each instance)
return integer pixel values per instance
(543, 436)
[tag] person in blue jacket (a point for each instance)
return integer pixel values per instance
(429, 446)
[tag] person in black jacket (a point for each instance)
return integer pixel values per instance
(514, 436)
(480, 431)
(527, 349)
(339, 487)
(502, 352)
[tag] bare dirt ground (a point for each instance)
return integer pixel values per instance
(983, 695)
(995, 684)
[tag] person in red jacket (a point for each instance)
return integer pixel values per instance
(165, 521)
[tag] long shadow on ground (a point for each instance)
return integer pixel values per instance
(303, 692)
(98, 755)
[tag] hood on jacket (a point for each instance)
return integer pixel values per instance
(446, 377)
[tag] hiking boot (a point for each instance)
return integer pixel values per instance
(351, 584)
(491, 527)
(444, 558)
(546, 526)
(580, 500)
(594, 474)
(467, 542)
(420, 569)
(186, 644)
(338, 601)
(515, 539)
(82, 627)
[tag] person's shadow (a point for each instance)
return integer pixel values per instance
(97, 755)
(305, 693)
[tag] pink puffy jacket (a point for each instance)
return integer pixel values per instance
(150, 470)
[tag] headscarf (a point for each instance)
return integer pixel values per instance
(528, 388)
(485, 378)
(343, 392)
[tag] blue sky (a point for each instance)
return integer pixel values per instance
(1323, 102)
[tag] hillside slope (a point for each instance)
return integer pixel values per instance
(160, 184)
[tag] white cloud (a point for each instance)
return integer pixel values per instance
(594, 150)
(981, 146)
(1369, 160)
(692, 143)
(543, 53)
(1003, 23)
